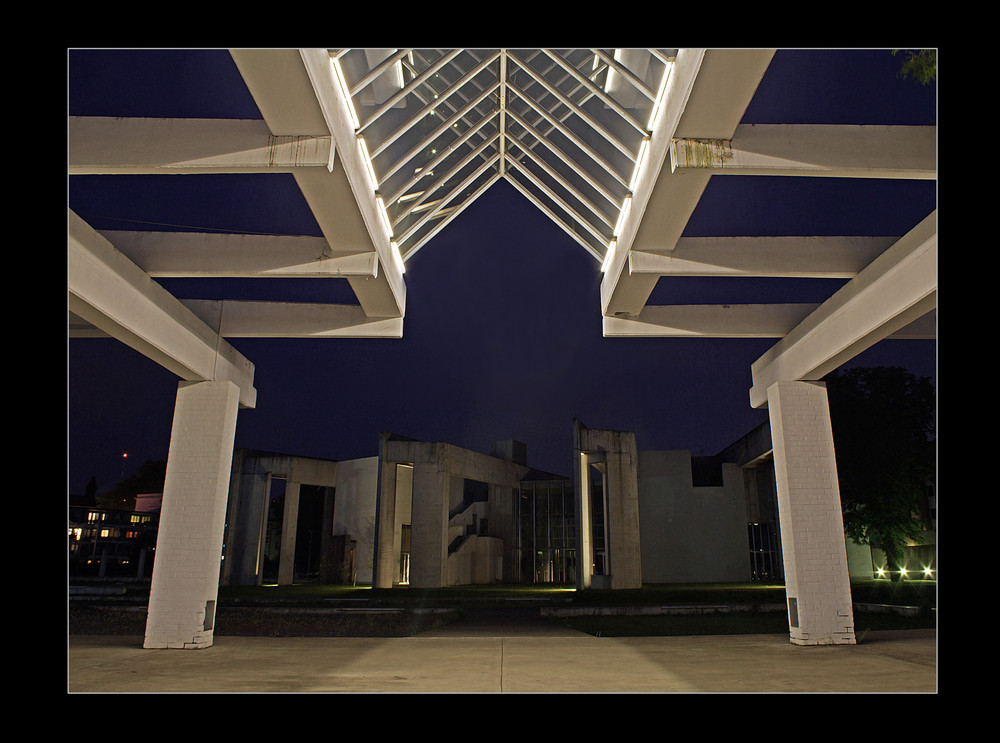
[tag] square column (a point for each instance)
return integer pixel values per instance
(817, 582)
(614, 455)
(584, 523)
(385, 525)
(289, 532)
(429, 535)
(185, 582)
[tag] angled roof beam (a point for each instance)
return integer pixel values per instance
(597, 126)
(503, 110)
(896, 289)
(111, 293)
(441, 157)
(412, 206)
(595, 183)
(463, 114)
(297, 90)
(570, 135)
(571, 211)
(432, 105)
(598, 92)
(444, 200)
(407, 89)
(830, 151)
(556, 218)
(704, 93)
(566, 76)
(625, 72)
(791, 257)
(455, 211)
(376, 72)
(562, 182)
(438, 131)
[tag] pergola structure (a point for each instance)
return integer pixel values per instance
(388, 145)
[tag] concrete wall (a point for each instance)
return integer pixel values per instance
(690, 534)
(354, 511)
(477, 561)
(614, 455)
(355, 484)
(438, 474)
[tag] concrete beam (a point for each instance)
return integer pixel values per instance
(706, 95)
(296, 93)
(787, 257)
(829, 151)
(244, 319)
(197, 254)
(111, 293)
(735, 321)
(709, 321)
(899, 287)
(104, 145)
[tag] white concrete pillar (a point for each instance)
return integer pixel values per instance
(584, 523)
(817, 583)
(386, 554)
(289, 532)
(429, 535)
(185, 581)
(621, 495)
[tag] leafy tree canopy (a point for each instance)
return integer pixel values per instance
(920, 64)
(883, 422)
(147, 479)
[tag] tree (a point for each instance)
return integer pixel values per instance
(883, 429)
(147, 479)
(918, 63)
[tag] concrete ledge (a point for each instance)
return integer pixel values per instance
(96, 591)
(905, 611)
(583, 611)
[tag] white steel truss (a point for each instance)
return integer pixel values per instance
(568, 128)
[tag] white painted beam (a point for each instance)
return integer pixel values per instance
(199, 254)
(104, 145)
(296, 93)
(789, 257)
(380, 298)
(244, 319)
(830, 151)
(899, 287)
(707, 94)
(111, 293)
(709, 321)
(734, 321)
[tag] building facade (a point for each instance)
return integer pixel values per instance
(431, 514)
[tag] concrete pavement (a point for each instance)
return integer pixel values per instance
(496, 659)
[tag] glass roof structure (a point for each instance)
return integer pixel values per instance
(568, 128)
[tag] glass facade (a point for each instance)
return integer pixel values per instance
(546, 538)
(763, 552)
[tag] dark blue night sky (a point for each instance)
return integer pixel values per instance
(502, 336)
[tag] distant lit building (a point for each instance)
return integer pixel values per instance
(109, 543)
